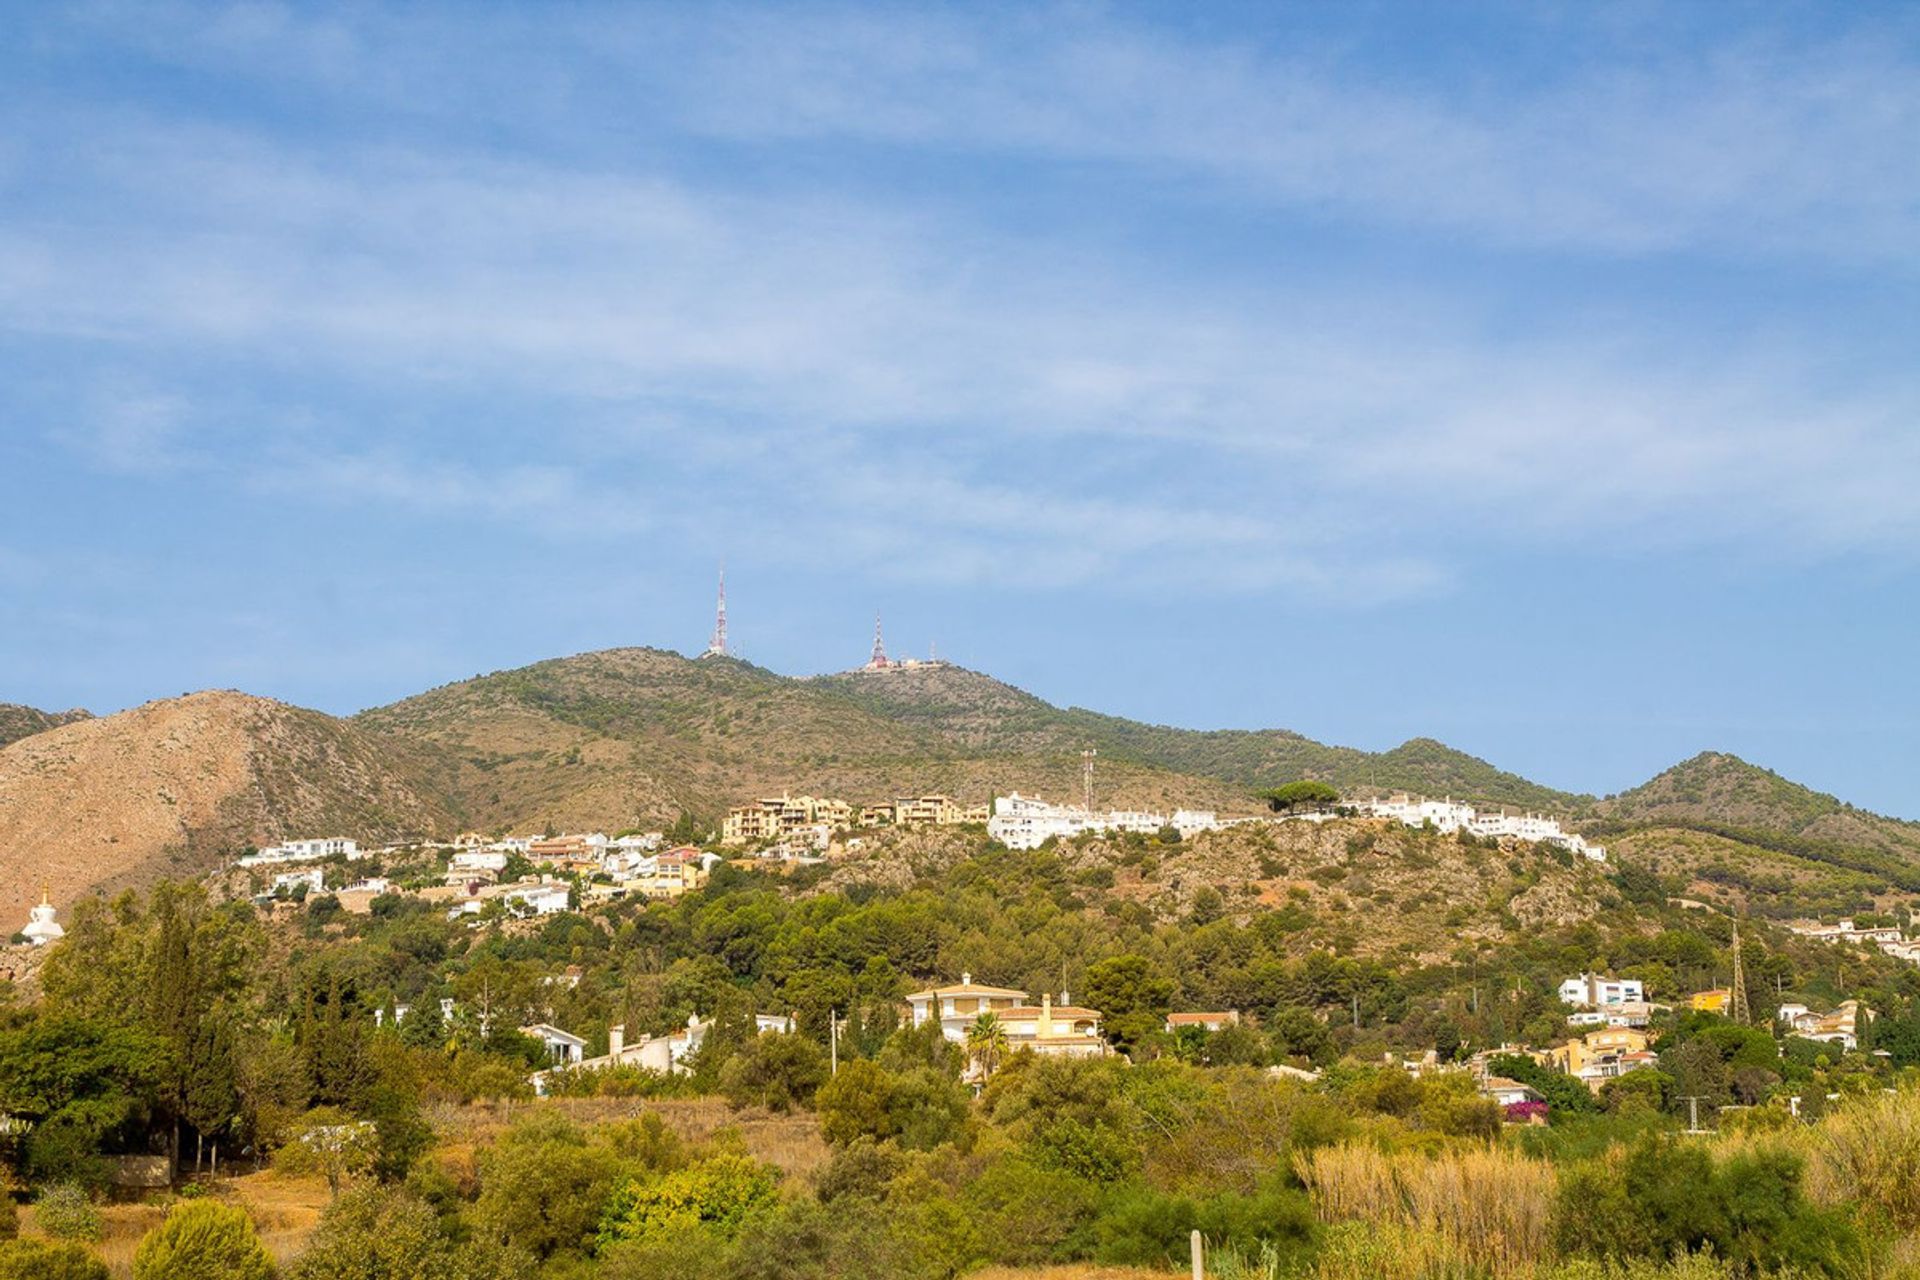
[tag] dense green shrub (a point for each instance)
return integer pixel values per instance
(203, 1240)
(721, 1192)
(542, 1186)
(1138, 1226)
(65, 1212)
(39, 1260)
(1028, 1214)
(1667, 1197)
(381, 1233)
(920, 1108)
(778, 1072)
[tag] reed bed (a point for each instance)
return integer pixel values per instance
(1487, 1207)
(1867, 1152)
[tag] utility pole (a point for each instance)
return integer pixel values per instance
(833, 1040)
(1086, 778)
(1693, 1112)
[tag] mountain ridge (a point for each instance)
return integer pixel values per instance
(621, 738)
(17, 720)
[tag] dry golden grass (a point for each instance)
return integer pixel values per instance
(284, 1210)
(791, 1143)
(1495, 1205)
(1868, 1152)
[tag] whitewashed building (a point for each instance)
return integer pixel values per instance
(1023, 822)
(305, 851)
(1449, 817)
(1591, 991)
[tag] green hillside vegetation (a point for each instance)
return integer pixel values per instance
(1785, 847)
(17, 721)
(630, 735)
(179, 1019)
(967, 707)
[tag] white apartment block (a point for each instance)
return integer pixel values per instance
(1448, 817)
(1846, 931)
(305, 851)
(314, 881)
(1022, 822)
(1591, 991)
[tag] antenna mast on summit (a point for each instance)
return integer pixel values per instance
(717, 646)
(879, 658)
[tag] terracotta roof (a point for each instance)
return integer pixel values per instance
(1193, 1019)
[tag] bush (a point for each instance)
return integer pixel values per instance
(672, 1254)
(1027, 1214)
(721, 1193)
(542, 1186)
(1666, 1198)
(65, 1212)
(38, 1260)
(862, 1168)
(9, 1217)
(375, 1233)
(203, 1240)
(921, 1107)
(1145, 1228)
(778, 1072)
(806, 1240)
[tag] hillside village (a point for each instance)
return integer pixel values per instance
(885, 955)
(884, 972)
(1611, 1023)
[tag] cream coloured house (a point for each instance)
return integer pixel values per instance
(1048, 1028)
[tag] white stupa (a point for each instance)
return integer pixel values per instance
(43, 928)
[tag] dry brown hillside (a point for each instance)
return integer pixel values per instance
(170, 787)
(1361, 886)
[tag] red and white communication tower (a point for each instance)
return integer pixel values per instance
(717, 646)
(879, 661)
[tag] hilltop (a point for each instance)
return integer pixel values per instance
(17, 721)
(977, 711)
(169, 788)
(625, 737)
(629, 736)
(1750, 838)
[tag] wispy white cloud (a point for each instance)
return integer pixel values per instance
(909, 385)
(1759, 143)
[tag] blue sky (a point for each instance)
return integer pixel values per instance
(1538, 378)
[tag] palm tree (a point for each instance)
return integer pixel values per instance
(986, 1042)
